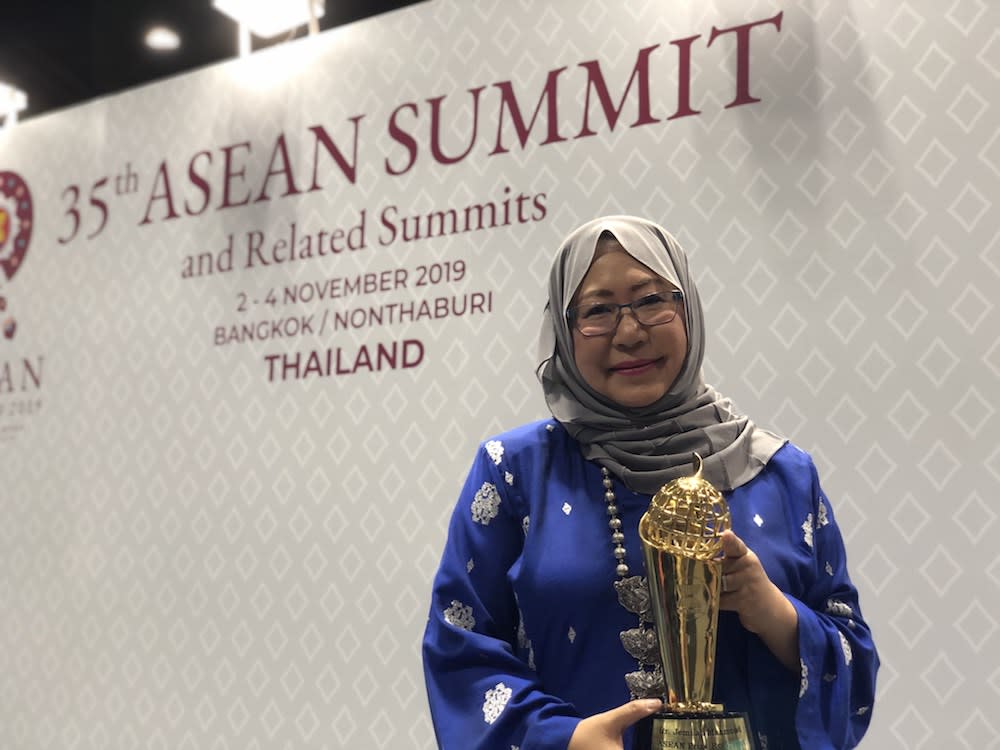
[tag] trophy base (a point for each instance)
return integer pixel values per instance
(687, 731)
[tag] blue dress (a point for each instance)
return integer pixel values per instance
(523, 635)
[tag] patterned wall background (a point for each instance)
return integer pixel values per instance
(194, 556)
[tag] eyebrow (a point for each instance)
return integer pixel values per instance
(606, 293)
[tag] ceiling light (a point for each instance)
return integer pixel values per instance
(268, 18)
(162, 39)
(12, 101)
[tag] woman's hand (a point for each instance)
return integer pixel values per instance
(604, 731)
(762, 608)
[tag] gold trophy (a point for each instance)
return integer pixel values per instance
(681, 541)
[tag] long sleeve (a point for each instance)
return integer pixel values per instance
(828, 704)
(838, 657)
(482, 689)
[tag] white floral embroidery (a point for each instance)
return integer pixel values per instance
(567, 508)
(863, 710)
(525, 523)
(550, 427)
(508, 478)
(459, 615)
(571, 634)
(829, 569)
(804, 672)
(807, 530)
(531, 658)
(496, 702)
(485, 504)
(495, 449)
(848, 654)
(822, 519)
(839, 608)
(469, 566)
(760, 522)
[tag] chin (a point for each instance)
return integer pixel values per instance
(635, 400)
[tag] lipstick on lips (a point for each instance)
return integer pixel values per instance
(634, 367)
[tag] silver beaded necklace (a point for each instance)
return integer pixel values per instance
(633, 595)
(615, 524)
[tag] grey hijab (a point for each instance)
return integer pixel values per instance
(649, 446)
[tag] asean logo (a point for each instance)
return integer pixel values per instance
(15, 234)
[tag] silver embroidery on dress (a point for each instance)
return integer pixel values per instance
(522, 636)
(495, 449)
(567, 508)
(550, 427)
(469, 566)
(523, 643)
(508, 478)
(829, 569)
(571, 634)
(863, 710)
(496, 702)
(762, 740)
(807, 530)
(485, 504)
(839, 608)
(758, 520)
(525, 523)
(829, 677)
(848, 654)
(822, 518)
(804, 673)
(459, 615)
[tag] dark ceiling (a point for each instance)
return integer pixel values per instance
(62, 52)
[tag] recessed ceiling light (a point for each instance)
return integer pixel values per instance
(12, 101)
(162, 39)
(268, 18)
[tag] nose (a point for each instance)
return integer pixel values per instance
(629, 330)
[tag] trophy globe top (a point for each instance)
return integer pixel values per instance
(687, 517)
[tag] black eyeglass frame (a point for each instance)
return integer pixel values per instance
(573, 314)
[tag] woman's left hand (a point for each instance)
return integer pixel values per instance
(761, 606)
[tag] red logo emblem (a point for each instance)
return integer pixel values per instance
(15, 234)
(15, 222)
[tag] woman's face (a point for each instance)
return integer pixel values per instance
(635, 365)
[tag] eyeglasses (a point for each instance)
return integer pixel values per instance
(601, 318)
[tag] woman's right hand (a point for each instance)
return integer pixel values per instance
(604, 731)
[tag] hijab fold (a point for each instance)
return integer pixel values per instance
(649, 446)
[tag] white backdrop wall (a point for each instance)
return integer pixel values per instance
(208, 543)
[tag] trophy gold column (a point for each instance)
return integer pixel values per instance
(681, 541)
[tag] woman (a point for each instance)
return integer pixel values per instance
(523, 648)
